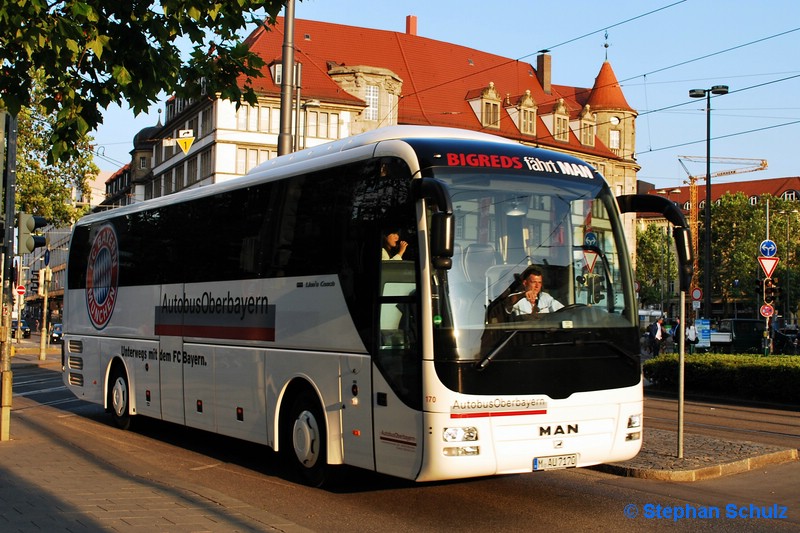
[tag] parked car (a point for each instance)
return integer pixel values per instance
(56, 334)
(25, 328)
(738, 335)
(785, 341)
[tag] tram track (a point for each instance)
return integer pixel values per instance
(765, 425)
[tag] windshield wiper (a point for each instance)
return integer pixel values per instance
(480, 365)
(489, 357)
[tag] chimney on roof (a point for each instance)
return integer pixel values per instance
(543, 70)
(411, 24)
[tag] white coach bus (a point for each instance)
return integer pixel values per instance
(264, 308)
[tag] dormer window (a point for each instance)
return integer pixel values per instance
(561, 121)
(490, 107)
(527, 114)
(276, 69)
(588, 126)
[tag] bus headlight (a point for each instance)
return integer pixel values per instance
(634, 421)
(461, 451)
(460, 434)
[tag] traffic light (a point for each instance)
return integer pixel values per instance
(770, 291)
(26, 240)
(595, 289)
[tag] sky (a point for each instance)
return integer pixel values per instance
(659, 50)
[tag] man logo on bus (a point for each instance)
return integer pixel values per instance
(102, 275)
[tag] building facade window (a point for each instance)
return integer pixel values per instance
(168, 183)
(191, 171)
(588, 126)
(241, 117)
(248, 157)
(489, 110)
(527, 121)
(527, 109)
(263, 118)
(491, 114)
(561, 121)
(179, 181)
(206, 168)
(371, 96)
(142, 162)
(562, 128)
(614, 139)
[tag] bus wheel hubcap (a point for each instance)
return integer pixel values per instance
(306, 438)
(118, 397)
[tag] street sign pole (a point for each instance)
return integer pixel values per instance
(681, 352)
(43, 340)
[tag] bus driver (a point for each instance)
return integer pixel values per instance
(532, 300)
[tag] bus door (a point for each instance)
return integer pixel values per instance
(169, 328)
(397, 381)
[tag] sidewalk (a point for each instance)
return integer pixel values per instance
(703, 457)
(48, 484)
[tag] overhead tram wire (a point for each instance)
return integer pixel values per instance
(675, 65)
(498, 65)
(735, 134)
(608, 27)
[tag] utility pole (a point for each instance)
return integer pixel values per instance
(287, 81)
(9, 188)
(44, 287)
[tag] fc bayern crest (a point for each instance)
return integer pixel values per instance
(102, 276)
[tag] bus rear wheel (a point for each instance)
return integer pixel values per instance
(303, 440)
(119, 398)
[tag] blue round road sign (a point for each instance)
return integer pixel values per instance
(768, 248)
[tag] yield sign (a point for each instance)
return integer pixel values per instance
(768, 264)
(591, 258)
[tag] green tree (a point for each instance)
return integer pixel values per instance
(738, 228)
(49, 189)
(655, 264)
(93, 53)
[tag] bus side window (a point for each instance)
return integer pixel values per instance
(398, 351)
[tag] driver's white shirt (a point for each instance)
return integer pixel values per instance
(546, 304)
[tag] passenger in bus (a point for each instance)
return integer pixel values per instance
(532, 300)
(393, 247)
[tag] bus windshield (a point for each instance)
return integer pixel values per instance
(568, 232)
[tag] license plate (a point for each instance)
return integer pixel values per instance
(555, 462)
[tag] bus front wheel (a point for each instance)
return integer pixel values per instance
(303, 439)
(119, 398)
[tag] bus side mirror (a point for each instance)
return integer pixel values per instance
(442, 239)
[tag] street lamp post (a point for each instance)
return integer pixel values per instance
(700, 93)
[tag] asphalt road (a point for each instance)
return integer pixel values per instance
(572, 500)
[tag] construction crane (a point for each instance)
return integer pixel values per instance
(746, 165)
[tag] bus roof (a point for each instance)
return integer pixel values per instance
(303, 158)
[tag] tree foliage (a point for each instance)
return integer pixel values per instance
(738, 228)
(93, 53)
(49, 189)
(655, 264)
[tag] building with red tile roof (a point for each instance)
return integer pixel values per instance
(356, 79)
